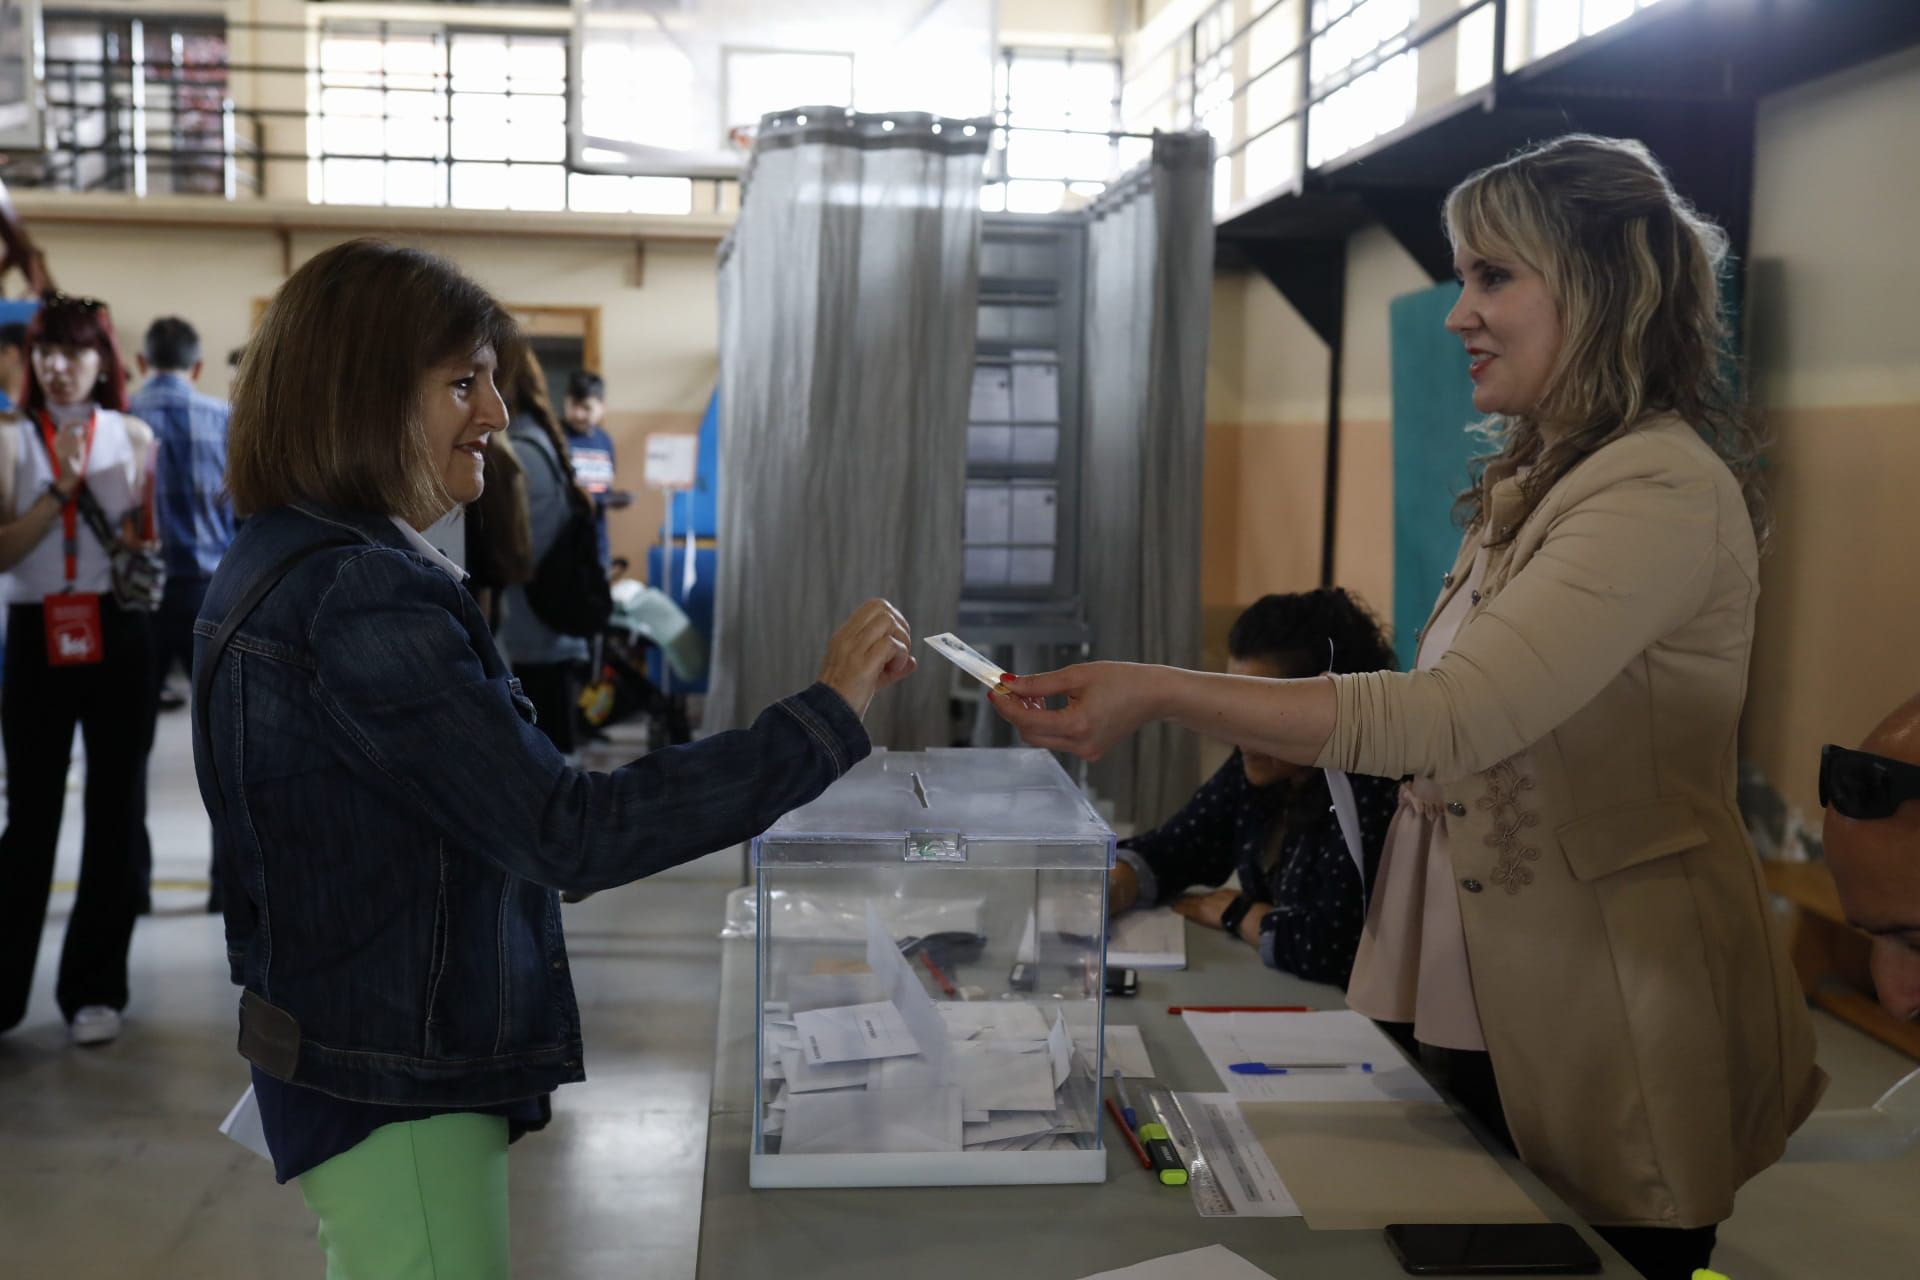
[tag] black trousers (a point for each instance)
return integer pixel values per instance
(172, 647)
(39, 707)
(1658, 1253)
(554, 690)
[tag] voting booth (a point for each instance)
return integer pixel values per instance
(930, 969)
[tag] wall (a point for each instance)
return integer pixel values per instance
(1266, 441)
(1265, 453)
(1378, 271)
(1836, 356)
(657, 340)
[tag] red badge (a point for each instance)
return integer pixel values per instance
(74, 638)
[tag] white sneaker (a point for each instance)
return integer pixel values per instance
(95, 1024)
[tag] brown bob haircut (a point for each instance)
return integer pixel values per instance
(326, 401)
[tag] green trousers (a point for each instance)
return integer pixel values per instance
(424, 1200)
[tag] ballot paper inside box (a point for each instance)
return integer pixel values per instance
(930, 964)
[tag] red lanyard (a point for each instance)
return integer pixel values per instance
(70, 513)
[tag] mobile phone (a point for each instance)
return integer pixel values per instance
(1492, 1249)
(1123, 982)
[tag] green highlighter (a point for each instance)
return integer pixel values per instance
(1160, 1150)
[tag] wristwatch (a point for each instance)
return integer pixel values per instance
(1236, 912)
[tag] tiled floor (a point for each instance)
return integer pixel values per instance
(110, 1165)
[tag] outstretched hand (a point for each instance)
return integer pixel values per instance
(1106, 701)
(869, 652)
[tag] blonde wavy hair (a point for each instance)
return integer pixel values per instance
(1635, 272)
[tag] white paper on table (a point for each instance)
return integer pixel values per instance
(802, 1076)
(909, 998)
(1006, 1081)
(856, 1033)
(1060, 1048)
(243, 1125)
(809, 991)
(860, 1122)
(1147, 938)
(1327, 1039)
(1005, 1126)
(1238, 1162)
(992, 397)
(1215, 1262)
(1127, 1051)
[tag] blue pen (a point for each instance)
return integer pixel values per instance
(1126, 1103)
(1300, 1068)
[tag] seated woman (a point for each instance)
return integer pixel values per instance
(1302, 900)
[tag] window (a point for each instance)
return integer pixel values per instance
(764, 81)
(1058, 110)
(470, 119)
(1376, 102)
(1555, 24)
(136, 105)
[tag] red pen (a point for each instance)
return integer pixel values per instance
(939, 977)
(1132, 1141)
(1237, 1008)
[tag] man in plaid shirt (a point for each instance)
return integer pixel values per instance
(195, 522)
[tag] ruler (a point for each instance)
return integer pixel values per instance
(1209, 1197)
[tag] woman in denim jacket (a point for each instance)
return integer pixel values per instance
(396, 827)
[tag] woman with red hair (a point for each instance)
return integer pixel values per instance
(71, 460)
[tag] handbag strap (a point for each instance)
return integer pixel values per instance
(209, 662)
(97, 520)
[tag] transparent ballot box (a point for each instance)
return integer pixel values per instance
(931, 967)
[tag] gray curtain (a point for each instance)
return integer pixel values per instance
(848, 293)
(1150, 281)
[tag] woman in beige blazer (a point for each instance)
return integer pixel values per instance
(1575, 740)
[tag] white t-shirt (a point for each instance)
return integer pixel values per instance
(114, 479)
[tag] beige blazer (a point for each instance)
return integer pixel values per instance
(1652, 1048)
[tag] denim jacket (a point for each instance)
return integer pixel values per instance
(394, 829)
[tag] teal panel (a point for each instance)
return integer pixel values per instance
(1432, 409)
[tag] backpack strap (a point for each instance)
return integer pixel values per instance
(203, 674)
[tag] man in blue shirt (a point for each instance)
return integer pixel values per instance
(591, 450)
(195, 521)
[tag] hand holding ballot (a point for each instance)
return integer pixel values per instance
(1106, 701)
(869, 652)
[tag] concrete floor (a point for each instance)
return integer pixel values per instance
(112, 1165)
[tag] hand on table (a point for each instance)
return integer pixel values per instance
(1207, 908)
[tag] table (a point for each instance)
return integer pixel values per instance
(1025, 1232)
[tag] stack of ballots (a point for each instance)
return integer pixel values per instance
(867, 1063)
